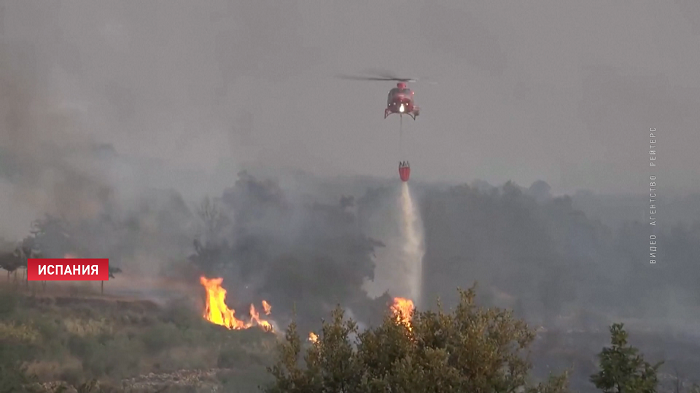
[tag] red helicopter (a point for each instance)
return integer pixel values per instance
(400, 100)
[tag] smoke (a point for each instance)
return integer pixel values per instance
(57, 163)
(291, 249)
(47, 155)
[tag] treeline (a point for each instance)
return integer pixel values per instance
(532, 252)
(469, 348)
(49, 237)
(551, 260)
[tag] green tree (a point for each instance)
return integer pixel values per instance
(622, 368)
(10, 261)
(53, 237)
(470, 349)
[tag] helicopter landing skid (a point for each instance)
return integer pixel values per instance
(409, 114)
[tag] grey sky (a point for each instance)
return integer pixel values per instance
(563, 91)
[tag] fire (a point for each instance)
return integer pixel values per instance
(255, 317)
(313, 337)
(402, 309)
(217, 312)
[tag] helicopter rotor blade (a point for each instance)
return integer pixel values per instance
(381, 73)
(425, 80)
(388, 75)
(363, 78)
(374, 78)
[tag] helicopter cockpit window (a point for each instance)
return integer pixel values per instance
(406, 92)
(391, 95)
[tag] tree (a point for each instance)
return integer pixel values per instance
(53, 236)
(112, 272)
(622, 368)
(213, 220)
(10, 261)
(26, 250)
(210, 246)
(208, 257)
(470, 349)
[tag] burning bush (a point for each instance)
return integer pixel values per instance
(469, 349)
(217, 312)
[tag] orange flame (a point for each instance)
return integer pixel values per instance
(313, 337)
(217, 312)
(403, 310)
(255, 317)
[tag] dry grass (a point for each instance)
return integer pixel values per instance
(68, 369)
(83, 327)
(16, 332)
(76, 338)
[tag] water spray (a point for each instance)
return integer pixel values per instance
(413, 249)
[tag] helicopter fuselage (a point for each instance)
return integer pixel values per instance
(400, 101)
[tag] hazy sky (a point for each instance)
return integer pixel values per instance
(563, 91)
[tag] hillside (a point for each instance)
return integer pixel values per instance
(70, 336)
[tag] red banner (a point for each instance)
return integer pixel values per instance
(60, 269)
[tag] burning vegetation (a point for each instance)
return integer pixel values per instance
(217, 312)
(403, 311)
(313, 337)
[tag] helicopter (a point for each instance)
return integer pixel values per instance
(400, 99)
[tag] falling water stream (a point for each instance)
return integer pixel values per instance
(412, 245)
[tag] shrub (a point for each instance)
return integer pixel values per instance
(161, 337)
(468, 350)
(623, 368)
(8, 303)
(13, 372)
(232, 357)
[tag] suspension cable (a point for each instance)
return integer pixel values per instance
(401, 158)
